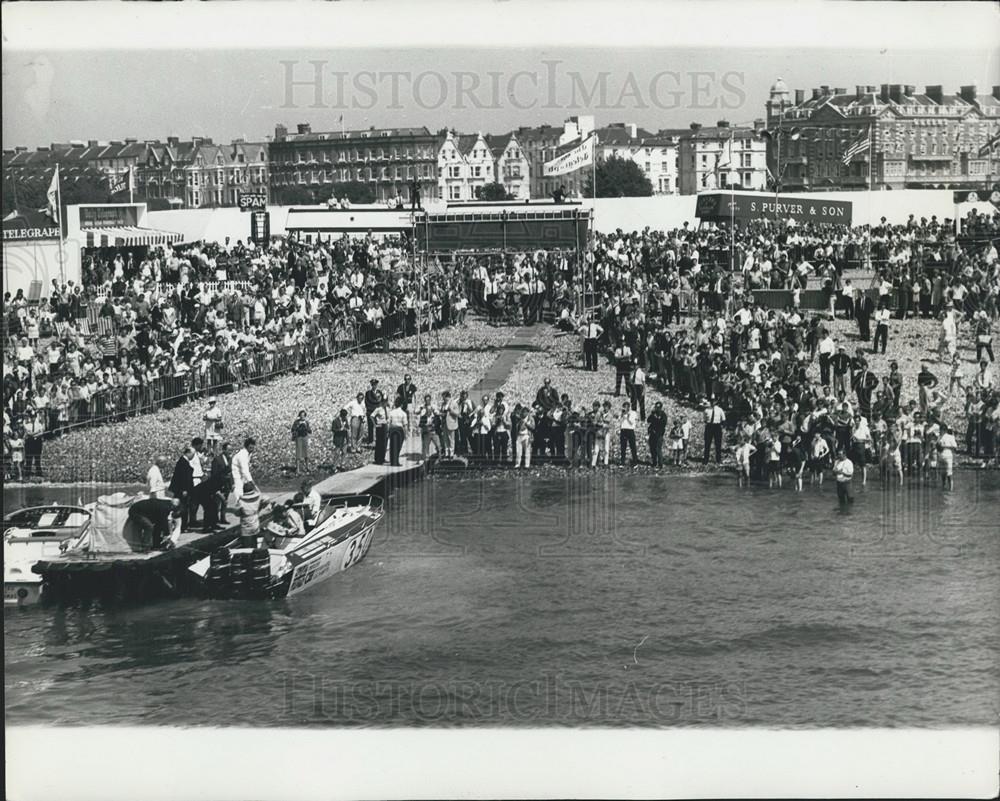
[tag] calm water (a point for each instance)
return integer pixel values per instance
(596, 600)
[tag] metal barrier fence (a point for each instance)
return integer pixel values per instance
(120, 403)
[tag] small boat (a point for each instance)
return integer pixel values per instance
(30, 535)
(340, 539)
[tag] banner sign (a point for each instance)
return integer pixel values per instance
(118, 216)
(252, 201)
(24, 234)
(721, 206)
(980, 196)
(580, 156)
(260, 227)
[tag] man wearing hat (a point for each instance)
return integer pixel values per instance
(213, 426)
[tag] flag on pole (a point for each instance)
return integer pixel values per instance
(859, 145)
(124, 183)
(52, 196)
(580, 156)
(991, 144)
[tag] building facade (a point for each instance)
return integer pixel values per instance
(512, 169)
(469, 162)
(192, 174)
(388, 160)
(722, 157)
(918, 140)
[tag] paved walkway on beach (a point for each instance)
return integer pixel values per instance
(508, 358)
(361, 479)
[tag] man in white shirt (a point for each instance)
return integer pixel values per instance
(843, 471)
(714, 418)
(155, 484)
(826, 350)
(399, 422)
(241, 467)
(311, 504)
(213, 426)
(356, 413)
(626, 433)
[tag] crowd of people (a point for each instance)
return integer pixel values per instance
(202, 320)
(206, 318)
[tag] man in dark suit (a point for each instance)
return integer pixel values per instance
(405, 392)
(182, 484)
(864, 311)
(219, 484)
(373, 399)
(547, 397)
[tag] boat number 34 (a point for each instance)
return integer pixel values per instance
(357, 549)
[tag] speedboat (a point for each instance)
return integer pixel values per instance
(32, 534)
(289, 565)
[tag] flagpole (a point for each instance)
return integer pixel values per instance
(871, 159)
(62, 252)
(131, 182)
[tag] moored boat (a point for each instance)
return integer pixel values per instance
(288, 565)
(30, 535)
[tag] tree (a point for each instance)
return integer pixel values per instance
(618, 177)
(494, 191)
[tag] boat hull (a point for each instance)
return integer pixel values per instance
(319, 563)
(21, 593)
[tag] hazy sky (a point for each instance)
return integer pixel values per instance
(62, 95)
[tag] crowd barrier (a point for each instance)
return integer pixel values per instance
(119, 403)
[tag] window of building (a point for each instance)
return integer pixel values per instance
(745, 159)
(745, 177)
(455, 192)
(455, 172)
(477, 171)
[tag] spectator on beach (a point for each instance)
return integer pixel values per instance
(300, 437)
(357, 413)
(213, 426)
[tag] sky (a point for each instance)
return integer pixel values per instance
(119, 88)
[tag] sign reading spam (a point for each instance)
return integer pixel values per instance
(722, 206)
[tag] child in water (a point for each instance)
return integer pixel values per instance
(744, 450)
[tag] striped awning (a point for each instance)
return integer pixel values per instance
(129, 236)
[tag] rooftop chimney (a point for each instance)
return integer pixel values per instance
(896, 93)
(758, 125)
(800, 96)
(935, 93)
(130, 140)
(996, 92)
(696, 126)
(869, 90)
(908, 90)
(968, 93)
(883, 94)
(840, 90)
(859, 91)
(92, 143)
(722, 123)
(816, 94)
(280, 132)
(304, 128)
(173, 140)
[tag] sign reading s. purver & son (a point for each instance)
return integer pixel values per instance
(722, 206)
(252, 201)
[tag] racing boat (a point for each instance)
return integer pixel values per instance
(289, 565)
(32, 534)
